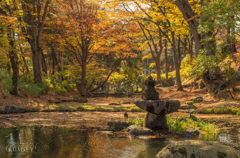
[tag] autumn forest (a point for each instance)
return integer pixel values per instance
(86, 44)
(100, 67)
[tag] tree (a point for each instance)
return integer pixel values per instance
(191, 17)
(35, 13)
(164, 20)
(224, 24)
(84, 31)
(10, 9)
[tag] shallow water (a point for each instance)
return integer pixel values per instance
(54, 142)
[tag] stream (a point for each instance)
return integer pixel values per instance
(57, 142)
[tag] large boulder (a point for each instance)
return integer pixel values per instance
(75, 99)
(2, 110)
(12, 109)
(83, 100)
(158, 107)
(140, 131)
(198, 149)
(9, 109)
(132, 126)
(155, 122)
(19, 110)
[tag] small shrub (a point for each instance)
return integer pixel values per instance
(26, 78)
(209, 111)
(217, 111)
(61, 86)
(137, 120)
(5, 82)
(29, 88)
(33, 89)
(200, 124)
(58, 89)
(238, 112)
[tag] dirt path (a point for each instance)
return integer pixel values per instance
(100, 119)
(67, 119)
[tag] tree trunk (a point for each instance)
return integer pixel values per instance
(191, 47)
(62, 61)
(53, 63)
(36, 64)
(185, 47)
(158, 67)
(43, 61)
(166, 60)
(36, 23)
(210, 46)
(176, 63)
(83, 78)
(24, 60)
(15, 67)
(156, 53)
(179, 51)
(190, 16)
(40, 60)
(188, 13)
(105, 80)
(9, 65)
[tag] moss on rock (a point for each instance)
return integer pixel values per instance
(181, 149)
(193, 155)
(221, 154)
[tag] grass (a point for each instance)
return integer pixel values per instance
(137, 108)
(68, 106)
(121, 108)
(137, 120)
(178, 127)
(201, 125)
(234, 111)
(51, 107)
(86, 107)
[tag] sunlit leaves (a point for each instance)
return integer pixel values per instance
(148, 56)
(152, 65)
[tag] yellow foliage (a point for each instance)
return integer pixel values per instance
(154, 76)
(152, 65)
(147, 56)
(116, 77)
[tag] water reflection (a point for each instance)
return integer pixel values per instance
(54, 142)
